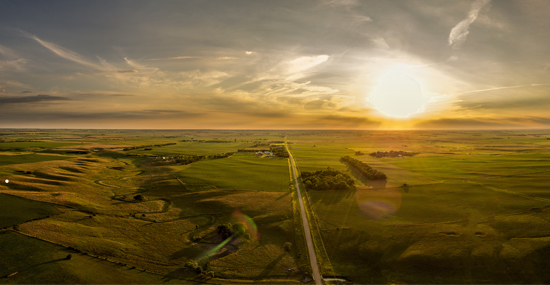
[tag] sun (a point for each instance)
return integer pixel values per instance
(398, 95)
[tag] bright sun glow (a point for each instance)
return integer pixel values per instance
(399, 96)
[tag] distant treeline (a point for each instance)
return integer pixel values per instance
(393, 153)
(329, 179)
(208, 141)
(147, 146)
(252, 150)
(364, 169)
(12, 141)
(188, 159)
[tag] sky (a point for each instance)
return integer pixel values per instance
(331, 64)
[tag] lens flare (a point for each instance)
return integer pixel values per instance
(214, 249)
(378, 204)
(251, 227)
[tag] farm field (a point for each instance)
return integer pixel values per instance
(239, 172)
(470, 213)
(83, 199)
(475, 208)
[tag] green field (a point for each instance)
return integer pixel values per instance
(15, 210)
(238, 172)
(28, 158)
(476, 208)
(37, 261)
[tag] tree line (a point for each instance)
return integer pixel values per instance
(364, 168)
(393, 153)
(146, 146)
(329, 179)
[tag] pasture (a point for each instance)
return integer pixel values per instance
(473, 211)
(239, 172)
(476, 208)
(101, 217)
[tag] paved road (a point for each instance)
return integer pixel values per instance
(310, 249)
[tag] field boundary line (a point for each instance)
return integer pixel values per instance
(510, 192)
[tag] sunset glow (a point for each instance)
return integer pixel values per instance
(249, 65)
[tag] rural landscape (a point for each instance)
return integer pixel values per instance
(130, 206)
(274, 142)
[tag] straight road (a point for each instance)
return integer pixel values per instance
(310, 249)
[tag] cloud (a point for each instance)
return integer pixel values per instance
(64, 53)
(485, 123)
(503, 87)
(176, 57)
(10, 60)
(348, 121)
(30, 99)
(459, 33)
(305, 62)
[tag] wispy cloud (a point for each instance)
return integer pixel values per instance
(194, 57)
(9, 60)
(30, 99)
(503, 87)
(176, 57)
(459, 33)
(64, 53)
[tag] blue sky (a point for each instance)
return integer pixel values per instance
(273, 64)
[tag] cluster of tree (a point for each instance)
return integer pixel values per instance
(193, 265)
(189, 159)
(279, 150)
(252, 149)
(364, 169)
(146, 146)
(222, 155)
(359, 153)
(393, 153)
(228, 230)
(329, 179)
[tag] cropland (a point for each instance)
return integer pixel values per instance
(148, 206)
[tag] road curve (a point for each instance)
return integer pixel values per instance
(310, 248)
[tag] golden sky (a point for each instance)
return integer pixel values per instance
(401, 64)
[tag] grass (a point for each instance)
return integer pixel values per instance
(28, 158)
(37, 261)
(477, 209)
(192, 148)
(15, 210)
(238, 173)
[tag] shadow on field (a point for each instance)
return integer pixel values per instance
(180, 273)
(284, 195)
(331, 197)
(270, 267)
(369, 183)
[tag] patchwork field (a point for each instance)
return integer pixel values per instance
(88, 205)
(463, 217)
(471, 207)
(239, 172)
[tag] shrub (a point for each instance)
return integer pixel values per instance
(287, 246)
(69, 257)
(191, 264)
(239, 228)
(198, 270)
(196, 238)
(138, 197)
